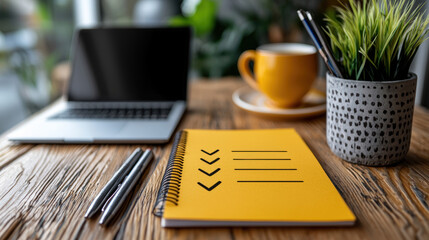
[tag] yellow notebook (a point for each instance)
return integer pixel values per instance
(247, 178)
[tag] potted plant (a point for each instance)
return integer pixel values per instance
(370, 109)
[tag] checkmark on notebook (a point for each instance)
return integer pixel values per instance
(210, 188)
(209, 174)
(217, 150)
(209, 162)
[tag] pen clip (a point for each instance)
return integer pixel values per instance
(110, 198)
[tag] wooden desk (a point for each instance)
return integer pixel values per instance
(46, 189)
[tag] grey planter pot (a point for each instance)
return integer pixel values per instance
(370, 123)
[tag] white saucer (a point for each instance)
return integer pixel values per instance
(248, 99)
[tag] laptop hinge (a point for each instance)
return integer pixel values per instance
(103, 105)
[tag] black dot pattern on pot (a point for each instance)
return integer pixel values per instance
(369, 122)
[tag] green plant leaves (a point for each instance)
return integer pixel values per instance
(202, 20)
(376, 40)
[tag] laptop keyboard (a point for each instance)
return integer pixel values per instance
(114, 113)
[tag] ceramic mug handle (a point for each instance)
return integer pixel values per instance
(244, 68)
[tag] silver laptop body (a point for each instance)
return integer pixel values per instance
(128, 85)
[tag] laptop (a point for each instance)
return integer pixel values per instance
(127, 85)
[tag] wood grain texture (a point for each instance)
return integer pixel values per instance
(46, 189)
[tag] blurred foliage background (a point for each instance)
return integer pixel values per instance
(36, 35)
(223, 28)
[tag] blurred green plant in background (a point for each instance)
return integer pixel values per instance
(36, 35)
(224, 29)
(202, 19)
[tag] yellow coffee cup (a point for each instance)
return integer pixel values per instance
(283, 72)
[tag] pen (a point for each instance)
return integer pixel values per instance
(316, 41)
(325, 46)
(110, 187)
(126, 186)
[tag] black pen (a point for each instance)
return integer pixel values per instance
(124, 189)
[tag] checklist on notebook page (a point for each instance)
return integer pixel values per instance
(247, 178)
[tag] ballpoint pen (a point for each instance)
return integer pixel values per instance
(124, 189)
(325, 46)
(111, 197)
(111, 186)
(316, 41)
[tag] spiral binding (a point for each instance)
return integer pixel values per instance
(169, 190)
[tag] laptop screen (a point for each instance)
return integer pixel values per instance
(130, 64)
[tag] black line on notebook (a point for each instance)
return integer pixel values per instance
(256, 151)
(270, 181)
(261, 159)
(269, 169)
